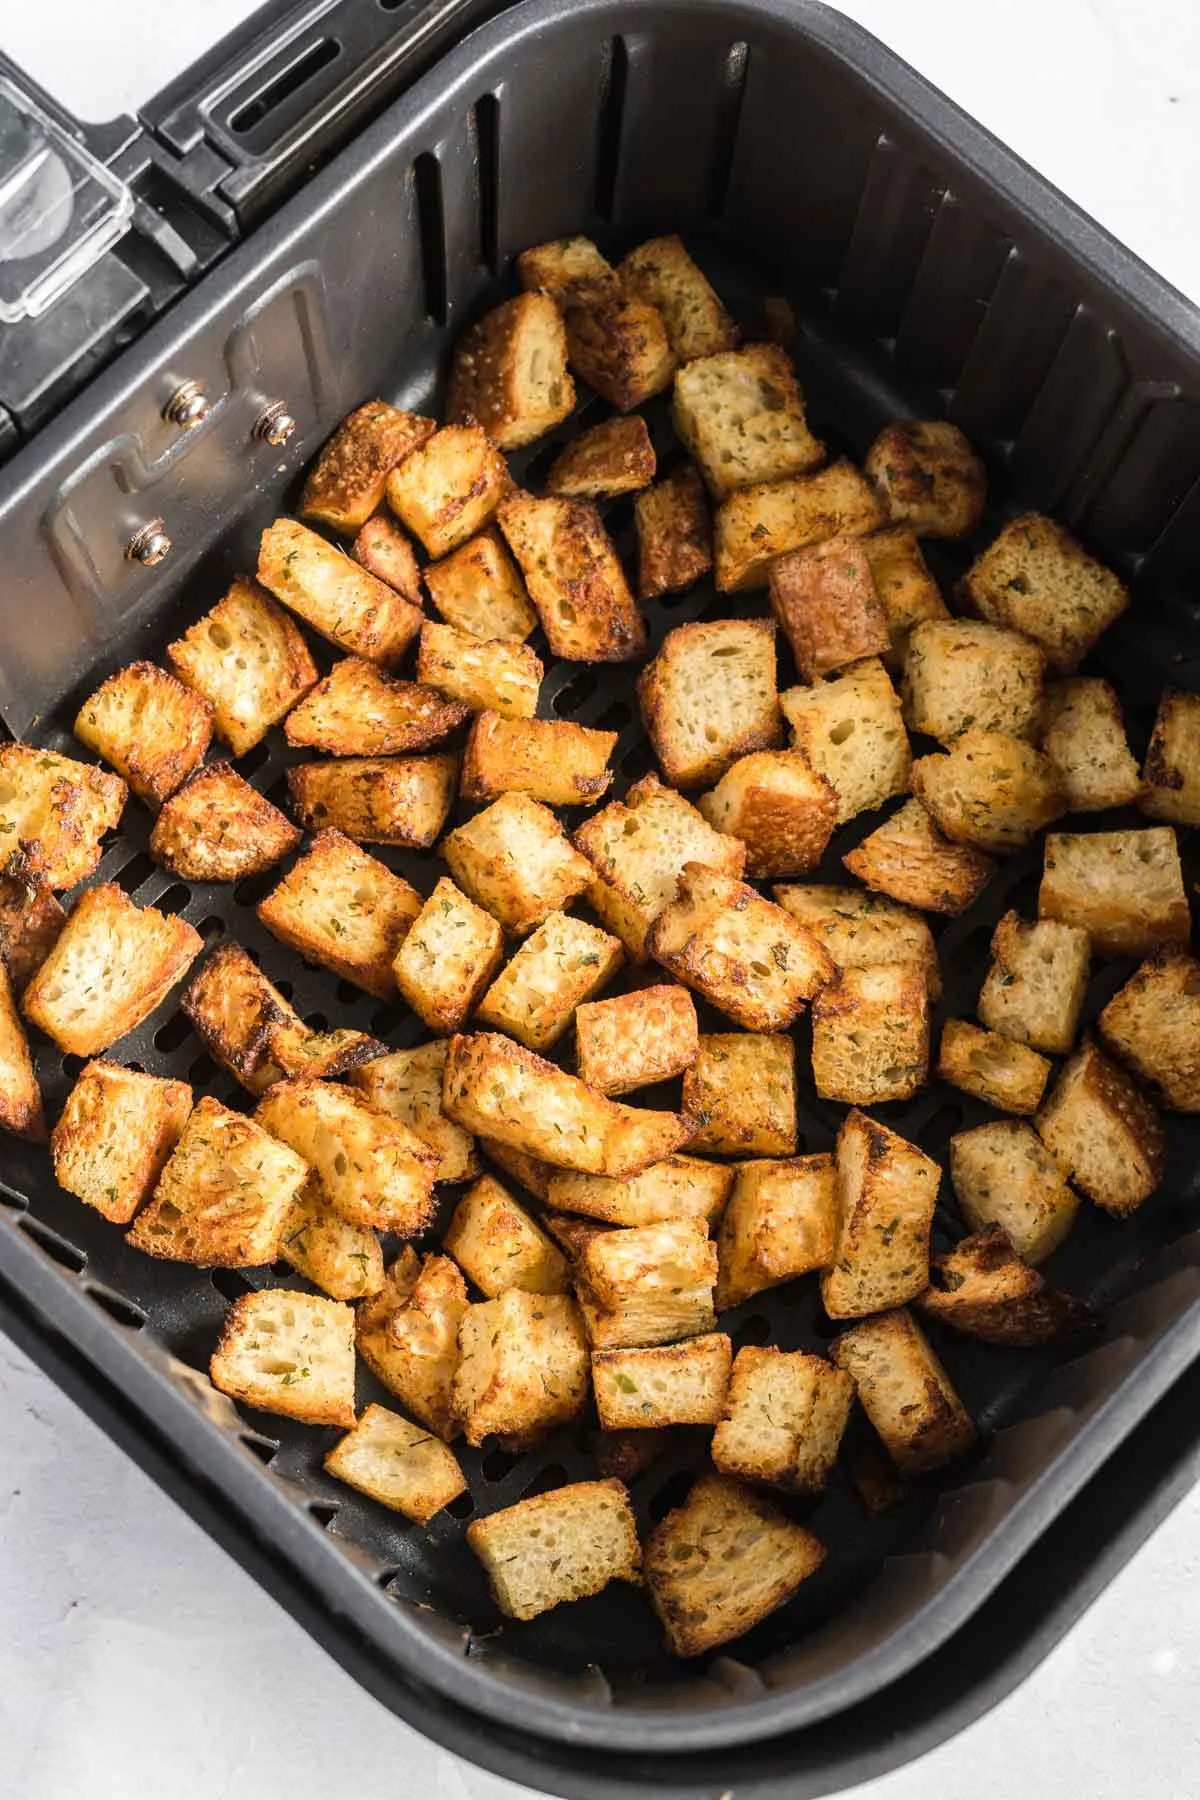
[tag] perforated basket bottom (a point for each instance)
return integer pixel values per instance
(182, 1308)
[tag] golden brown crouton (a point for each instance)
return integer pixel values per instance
(560, 965)
(784, 1419)
(515, 860)
(56, 810)
(1035, 578)
(1153, 1024)
(909, 859)
(358, 710)
(647, 1284)
(571, 269)
(781, 1221)
(218, 828)
(31, 918)
(346, 483)
(678, 1187)
(149, 726)
(674, 534)
(741, 415)
(709, 696)
(636, 1039)
(1124, 888)
(757, 524)
(345, 1261)
(615, 457)
(1172, 773)
(989, 790)
(1006, 1074)
(777, 804)
(397, 1463)
(553, 760)
(497, 1245)
(559, 1546)
(376, 799)
(662, 273)
(1103, 1132)
(407, 1335)
(294, 1048)
(374, 1170)
(664, 1384)
(448, 958)
(20, 1095)
(480, 674)
(477, 588)
(387, 553)
(336, 595)
(825, 600)
(860, 929)
(574, 578)
(408, 1085)
(1035, 987)
(1083, 734)
(288, 1353)
(871, 1034)
(448, 489)
(114, 1136)
(574, 1235)
(523, 1365)
(928, 477)
(852, 731)
(907, 591)
(510, 372)
(960, 673)
(248, 658)
(1003, 1175)
(905, 1392)
(619, 346)
(233, 1009)
(741, 1089)
(887, 1190)
(983, 1289)
(343, 909)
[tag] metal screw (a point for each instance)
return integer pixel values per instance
(149, 545)
(188, 406)
(275, 424)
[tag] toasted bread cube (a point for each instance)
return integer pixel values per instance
(717, 1565)
(784, 1418)
(647, 1284)
(346, 483)
(523, 1364)
(984, 1290)
(777, 804)
(1035, 578)
(637, 847)
(619, 346)
(908, 859)
(570, 269)
(149, 726)
(1035, 988)
(1004, 1175)
(960, 674)
(613, 458)
(448, 958)
(408, 1085)
(574, 578)
(115, 1134)
(989, 790)
(781, 1222)
(31, 918)
(1172, 773)
(514, 859)
(218, 828)
(824, 598)
(741, 1088)
(674, 534)
(20, 1095)
(336, 595)
(666, 1384)
(358, 710)
(852, 731)
(636, 1039)
(498, 1246)
(448, 489)
(553, 760)
(559, 966)
(387, 553)
(477, 588)
(1153, 1024)
(510, 372)
(624, 1455)
(556, 1547)
(397, 1463)
(248, 659)
(1103, 1132)
(345, 1261)
(376, 799)
(529, 1172)
(224, 1197)
(757, 524)
(928, 477)
(709, 696)
(480, 674)
(746, 956)
(234, 1009)
(905, 1392)
(662, 273)
(374, 1170)
(679, 1187)
(114, 962)
(1008, 1075)
(871, 1034)
(906, 590)
(407, 1335)
(741, 415)
(288, 1353)
(574, 1235)
(1124, 888)
(56, 810)
(886, 1192)
(1083, 734)
(294, 1048)
(859, 929)
(343, 909)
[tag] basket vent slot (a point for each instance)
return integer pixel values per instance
(125, 1312)
(431, 226)
(289, 81)
(265, 1448)
(55, 1246)
(614, 82)
(731, 93)
(487, 149)
(176, 1032)
(135, 873)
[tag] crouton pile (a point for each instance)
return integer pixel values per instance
(538, 1210)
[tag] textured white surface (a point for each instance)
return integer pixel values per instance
(136, 1661)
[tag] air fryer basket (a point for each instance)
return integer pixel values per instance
(929, 273)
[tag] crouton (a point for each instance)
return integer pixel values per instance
(886, 1192)
(343, 909)
(871, 1034)
(928, 477)
(560, 965)
(556, 1547)
(345, 1261)
(523, 1364)
(1035, 986)
(662, 273)
(784, 1418)
(908, 859)
(509, 372)
(781, 1222)
(498, 1246)
(647, 1284)
(1003, 1175)
(613, 458)
(294, 1048)
(248, 659)
(777, 804)
(989, 790)
(570, 269)
(1035, 578)
(114, 962)
(31, 918)
(514, 859)
(358, 710)
(824, 598)
(905, 1392)
(636, 1039)
(288, 1353)
(741, 415)
(1153, 1024)
(376, 799)
(637, 847)
(678, 1187)
(1103, 1132)
(336, 595)
(1124, 888)
(408, 1085)
(149, 726)
(477, 588)
(983, 1289)
(374, 1170)
(448, 958)
(674, 534)
(387, 553)
(553, 760)
(852, 731)
(757, 524)
(859, 929)
(574, 578)
(1083, 734)
(407, 1335)
(224, 1195)
(717, 1565)
(1172, 773)
(218, 828)
(666, 1384)
(397, 1463)
(346, 483)
(571, 1234)
(529, 1172)
(1007, 1074)
(233, 1009)
(448, 489)
(627, 1454)
(619, 346)
(480, 674)
(56, 810)
(709, 696)
(114, 1135)
(741, 1088)
(906, 590)
(20, 1095)
(961, 674)
(746, 956)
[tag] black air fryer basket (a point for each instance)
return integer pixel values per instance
(929, 273)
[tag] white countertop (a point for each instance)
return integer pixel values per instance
(137, 1662)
